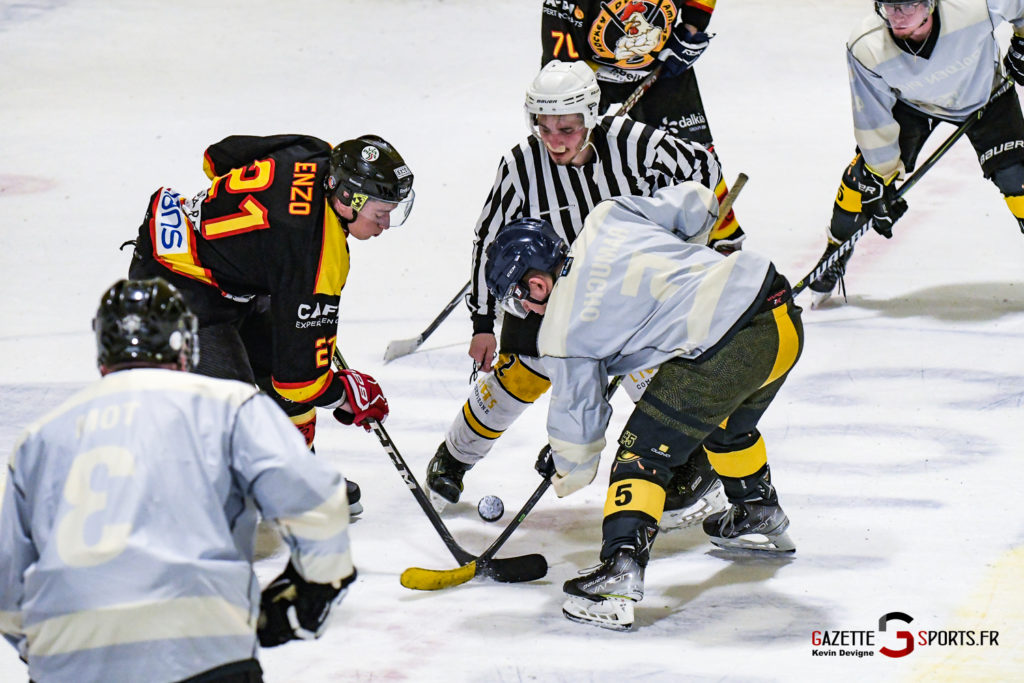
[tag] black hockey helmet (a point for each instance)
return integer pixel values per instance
(369, 167)
(523, 245)
(142, 322)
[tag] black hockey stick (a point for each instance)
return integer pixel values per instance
(418, 578)
(846, 246)
(403, 347)
(508, 570)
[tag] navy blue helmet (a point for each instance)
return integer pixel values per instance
(521, 246)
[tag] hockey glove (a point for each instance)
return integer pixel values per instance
(365, 399)
(545, 466)
(681, 50)
(1014, 59)
(292, 608)
(879, 203)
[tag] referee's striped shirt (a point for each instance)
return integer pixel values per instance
(630, 158)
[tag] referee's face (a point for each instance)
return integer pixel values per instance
(564, 136)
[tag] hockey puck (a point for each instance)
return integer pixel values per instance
(490, 508)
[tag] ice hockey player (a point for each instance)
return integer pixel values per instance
(640, 289)
(623, 42)
(573, 160)
(262, 255)
(127, 521)
(912, 65)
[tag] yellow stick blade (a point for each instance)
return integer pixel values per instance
(419, 579)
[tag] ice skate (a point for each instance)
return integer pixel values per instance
(753, 522)
(694, 493)
(604, 595)
(824, 286)
(444, 478)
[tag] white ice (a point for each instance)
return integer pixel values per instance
(896, 444)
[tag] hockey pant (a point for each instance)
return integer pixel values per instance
(716, 401)
(675, 106)
(234, 338)
(997, 138)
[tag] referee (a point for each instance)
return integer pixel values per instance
(573, 161)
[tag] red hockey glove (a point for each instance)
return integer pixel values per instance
(365, 399)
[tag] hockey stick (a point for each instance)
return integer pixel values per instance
(418, 578)
(403, 347)
(846, 246)
(508, 570)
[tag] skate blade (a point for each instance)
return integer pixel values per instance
(774, 543)
(819, 299)
(438, 502)
(614, 614)
(712, 503)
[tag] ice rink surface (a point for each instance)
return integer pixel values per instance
(895, 446)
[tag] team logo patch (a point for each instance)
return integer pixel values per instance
(627, 456)
(370, 153)
(626, 32)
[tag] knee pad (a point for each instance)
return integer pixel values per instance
(738, 456)
(847, 206)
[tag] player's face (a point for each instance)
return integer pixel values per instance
(373, 219)
(564, 136)
(908, 19)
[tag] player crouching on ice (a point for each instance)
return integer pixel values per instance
(639, 289)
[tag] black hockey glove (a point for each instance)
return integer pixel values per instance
(292, 608)
(545, 465)
(879, 203)
(681, 50)
(1014, 59)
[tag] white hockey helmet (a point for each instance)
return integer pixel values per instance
(564, 88)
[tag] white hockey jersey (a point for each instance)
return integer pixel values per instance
(126, 531)
(956, 79)
(635, 295)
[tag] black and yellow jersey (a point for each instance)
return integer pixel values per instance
(264, 227)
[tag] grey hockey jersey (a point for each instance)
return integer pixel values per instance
(635, 295)
(956, 79)
(126, 530)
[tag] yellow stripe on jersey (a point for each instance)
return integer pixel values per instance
(789, 344)
(134, 623)
(741, 463)
(522, 383)
(303, 392)
(478, 427)
(635, 495)
(332, 272)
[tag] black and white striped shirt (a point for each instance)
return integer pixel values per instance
(630, 158)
